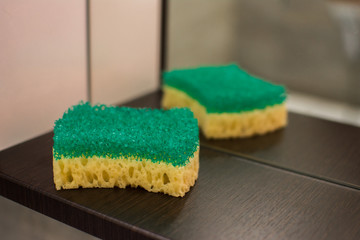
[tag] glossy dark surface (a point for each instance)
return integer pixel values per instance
(234, 197)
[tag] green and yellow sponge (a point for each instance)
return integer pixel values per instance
(227, 101)
(106, 146)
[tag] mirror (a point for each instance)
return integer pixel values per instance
(310, 46)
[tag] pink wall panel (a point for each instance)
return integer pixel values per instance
(125, 43)
(42, 65)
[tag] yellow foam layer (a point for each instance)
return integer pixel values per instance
(228, 125)
(98, 172)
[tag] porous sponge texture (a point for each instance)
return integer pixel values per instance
(108, 146)
(226, 88)
(143, 133)
(104, 172)
(228, 125)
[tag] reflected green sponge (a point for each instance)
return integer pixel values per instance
(227, 101)
(225, 88)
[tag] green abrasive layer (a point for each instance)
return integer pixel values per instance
(225, 88)
(170, 136)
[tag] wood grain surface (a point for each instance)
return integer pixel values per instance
(308, 145)
(257, 197)
(233, 198)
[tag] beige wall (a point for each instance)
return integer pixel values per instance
(42, 65)
(200, 33)
(125, 47)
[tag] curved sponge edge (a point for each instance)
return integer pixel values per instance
(122, 172)
(228, 125)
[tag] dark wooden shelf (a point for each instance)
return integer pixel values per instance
(235, 197)
(308, 145)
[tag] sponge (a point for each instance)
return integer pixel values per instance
(227, 101)
(107, 146)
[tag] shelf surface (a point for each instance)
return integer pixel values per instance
(242, 192)
(308, 145)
